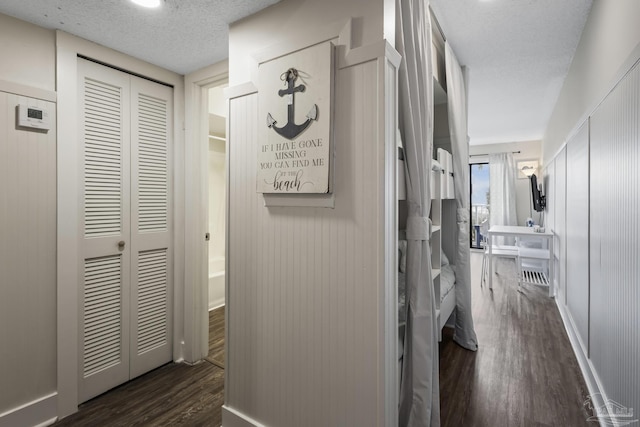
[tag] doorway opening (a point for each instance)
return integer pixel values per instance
(217, 144)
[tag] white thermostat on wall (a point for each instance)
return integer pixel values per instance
(30, 116)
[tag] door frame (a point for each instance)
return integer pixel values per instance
(69, 150)
(196, 295)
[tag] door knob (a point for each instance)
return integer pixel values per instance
(121, 244)
(207, 236)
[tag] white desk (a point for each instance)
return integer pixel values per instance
(516, 231)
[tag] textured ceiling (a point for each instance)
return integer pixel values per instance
(518, 53)
(181, 36)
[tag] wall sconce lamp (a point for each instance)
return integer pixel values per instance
(528, 170)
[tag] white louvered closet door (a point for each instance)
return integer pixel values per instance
(105, 268)
(151, 108)
(125, 305)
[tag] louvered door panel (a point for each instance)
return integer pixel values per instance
(152, 164)
(151, 314)
(103, 317)
(103, 158)
(104, 312)
(152, 300)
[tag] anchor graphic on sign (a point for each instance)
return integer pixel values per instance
(291, 129)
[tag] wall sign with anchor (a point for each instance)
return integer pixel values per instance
(295, 140)
(291, 130)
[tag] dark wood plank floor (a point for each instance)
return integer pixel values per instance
(216, 337)
(524, 372)
(172, 395)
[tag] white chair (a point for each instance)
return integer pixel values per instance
(501, 251)
(532, 257)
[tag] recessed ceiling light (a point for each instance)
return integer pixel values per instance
(147, 3)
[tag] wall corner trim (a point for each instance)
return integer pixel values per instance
(28, 91)
(370, 52)
(40, 412)
(339, 31)
(240, 90)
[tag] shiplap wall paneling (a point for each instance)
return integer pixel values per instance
(561, 223)
(615, 242)
(27, 256)
(577, 235)
(304, 283)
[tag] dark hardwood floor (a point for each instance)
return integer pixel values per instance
(172, 395)
(216, 337)
(524, 373)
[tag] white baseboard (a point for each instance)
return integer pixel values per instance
(38, 413)
(216, 304)
(596, 391)
(234, 418)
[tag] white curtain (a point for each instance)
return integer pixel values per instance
(419, 391)
(502, 193)
(465, 334)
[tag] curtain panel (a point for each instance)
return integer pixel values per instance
(419, 390)
(502, 193)
(465, 334)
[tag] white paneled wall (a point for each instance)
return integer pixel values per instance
(27, 257)
(615, 242)
(306, 284)
(577, 232)
(561, 223)
(550, 215)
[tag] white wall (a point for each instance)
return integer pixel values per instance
(529, 150)
(217, 198)
(217, 172)
(218, 102)
(27, 226)
(27, 54)
(614, 237)
(217, 222)
(306, 285)
(610, 35)
(577, 236)
(217, 194)
(596, 213)
(560, 222)
(291, 21)
(27, 258)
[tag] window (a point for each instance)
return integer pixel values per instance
(480, 199)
